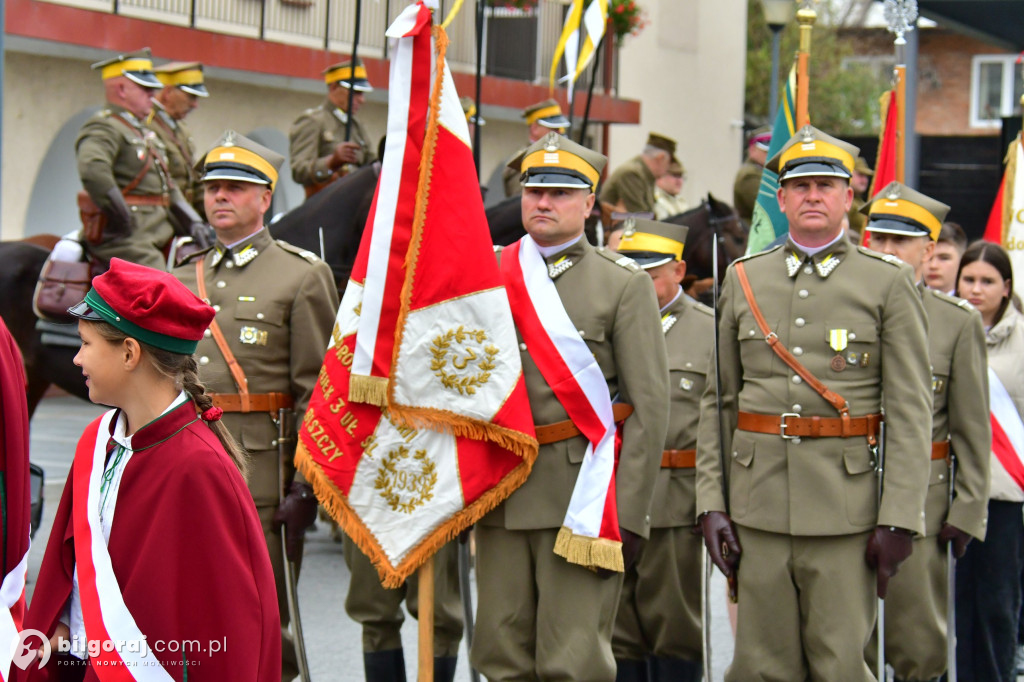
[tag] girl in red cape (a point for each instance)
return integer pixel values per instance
(156, 567)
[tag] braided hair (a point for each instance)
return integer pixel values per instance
(183, 371)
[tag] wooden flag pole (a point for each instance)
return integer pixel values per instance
(426, 622)
(901, 121)
(806, 17)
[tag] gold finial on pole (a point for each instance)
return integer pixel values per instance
(805, 16)
(901, 15)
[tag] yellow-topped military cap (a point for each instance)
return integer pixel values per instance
(236, 157)
(652, 243)
(557, 161)
(135, 66)
(898, 209)
(469, 109)
(547, 113)
(186, 76)
(344, 73)
(812, 152)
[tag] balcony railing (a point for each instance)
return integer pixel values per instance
(518, 43)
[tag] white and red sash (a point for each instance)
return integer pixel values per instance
(590, 533)
(1007, 430)
(106, 616)
(12, 591)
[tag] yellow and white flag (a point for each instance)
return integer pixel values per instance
(594, 20)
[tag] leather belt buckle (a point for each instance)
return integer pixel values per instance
(782, 425)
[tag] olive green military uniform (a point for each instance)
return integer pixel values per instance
(110, 155)
(276, 306)
(745, 189)
(181, 155)
(915, 618)
(857, 219)
(510, 176)
(540, 617)
(805, 507)
(313, 137)
(632, 185)
(659, 613)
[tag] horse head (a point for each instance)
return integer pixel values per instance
(710, 222)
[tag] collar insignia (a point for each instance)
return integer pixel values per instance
(559, 266)
(667, 322)
(827, 265)
(245, 255)
(218, 254)
(793, 263)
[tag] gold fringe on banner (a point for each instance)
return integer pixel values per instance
(589, 552)
(369, 390)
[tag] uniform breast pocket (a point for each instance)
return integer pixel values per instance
(940, 381)
(592, 331)
(259, 323)
(852, 343)
(756, 355)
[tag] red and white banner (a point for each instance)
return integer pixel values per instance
(420, 423)
(590, 532)
(107, 619)
(1007, 431)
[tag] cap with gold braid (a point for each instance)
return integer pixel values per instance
(469, 109)
(135, 66)
(236, 157)
(813, 153)
(547, 113)
(898, 209)
(186, 76)
(651, 243)
(342, 73)
(557, 161)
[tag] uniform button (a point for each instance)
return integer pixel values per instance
(689, 364)
(522, 346)
(797, 350)
(808, 270)
(229, 265)
(795, 441)
(798, 408)
(216, 308)
(582, 333)
(797, 379)
(221, 284)
(259, 316)
(735, 454)
(273, 442)
(942, 477)
(800, 322)
(751, 332)
(803, 293)
(852, 336)
(207, 334)
(204, 360)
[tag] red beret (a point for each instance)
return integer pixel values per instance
(148, 304)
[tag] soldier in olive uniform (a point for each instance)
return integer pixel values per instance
(275, 306)
(539, 616)
(905, 223)
(748, 178)
(183, 86)
(658, 628)
(541, 118)
(123, 168)
(800, 434)
(631, 187)
(319, 149)
(861, 183)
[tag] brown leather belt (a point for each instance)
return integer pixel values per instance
(564, 430)
(147, 200)
(794, 426)
(678, 459)
(258, 402)
(940, 450)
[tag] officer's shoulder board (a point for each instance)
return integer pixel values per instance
(749, 256)
(191, 257)
(700, 307)
(888, 258)
(952, 300)
(308, 256)
(618, 259)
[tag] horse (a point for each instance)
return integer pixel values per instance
(710, 221)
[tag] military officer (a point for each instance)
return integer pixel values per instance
(748, 178)
(319, 149)
(658, 629)
(860, 182)
(846, 341)
(905, 223)
(275, 306)
(541, 118)
(668, 192)
(131, 208)
(631, 187)
(539, 616)
(183, 87)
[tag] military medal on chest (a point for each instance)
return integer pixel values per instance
(837, 340)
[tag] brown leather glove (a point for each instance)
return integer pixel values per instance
(953, 534)
(723, 545)
(887, 548)
(297, 513)
(344, 152)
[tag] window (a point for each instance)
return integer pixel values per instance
(995, 89)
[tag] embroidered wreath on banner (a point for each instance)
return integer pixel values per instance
(462, 355)
(402, 489)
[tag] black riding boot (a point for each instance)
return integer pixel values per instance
(384, 666)
(630, 670)
(675, 670)
(444, 668)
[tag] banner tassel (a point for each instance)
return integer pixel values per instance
(369, 390)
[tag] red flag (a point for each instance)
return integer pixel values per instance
(420, 423)
(885, 164)
(994, 226)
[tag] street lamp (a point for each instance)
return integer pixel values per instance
(777, 14)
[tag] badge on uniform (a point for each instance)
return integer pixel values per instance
(938, 384)
(686, 384)
(837, 339)
(253, 336)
